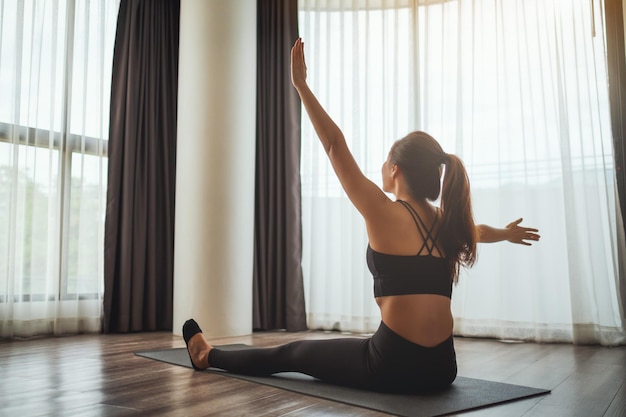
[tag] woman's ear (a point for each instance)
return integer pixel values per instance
(395, 169)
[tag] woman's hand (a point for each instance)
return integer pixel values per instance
(513, 232)
(520, 235)
(298, 66)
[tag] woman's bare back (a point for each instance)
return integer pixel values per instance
(424, 319)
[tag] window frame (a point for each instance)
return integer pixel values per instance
(67, 144)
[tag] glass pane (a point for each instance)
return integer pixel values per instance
(5, 220)
(32, 51)
(39, 205)
(86, 226)
(94, 37)
(29, 237)
(7, 59)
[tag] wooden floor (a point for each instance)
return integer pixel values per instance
(98, 375)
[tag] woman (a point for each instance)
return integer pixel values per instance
(415, 252)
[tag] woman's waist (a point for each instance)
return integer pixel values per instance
(424, 319)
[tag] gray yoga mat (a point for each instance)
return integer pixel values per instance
(464, 394)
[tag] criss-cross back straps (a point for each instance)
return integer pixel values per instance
(425, 231)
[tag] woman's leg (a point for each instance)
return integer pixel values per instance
(384, 362)
(341, 361)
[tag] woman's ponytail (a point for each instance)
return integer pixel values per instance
(458, 232)
(420, 156)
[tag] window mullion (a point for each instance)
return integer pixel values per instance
(66, 147)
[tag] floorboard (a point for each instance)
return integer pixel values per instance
(98, 375)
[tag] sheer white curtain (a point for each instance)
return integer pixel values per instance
(55, 74)
(518, 89)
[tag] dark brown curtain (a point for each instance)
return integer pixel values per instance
(139, 226)
(616, 59)
(278, 289)
(616, 63)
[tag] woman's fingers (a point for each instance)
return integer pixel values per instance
(298, 67)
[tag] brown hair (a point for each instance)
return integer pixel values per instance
(419, 157)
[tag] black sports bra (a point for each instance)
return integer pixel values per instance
(411, 274)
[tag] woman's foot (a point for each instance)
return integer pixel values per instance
(197, 346)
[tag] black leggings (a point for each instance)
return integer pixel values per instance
(384, 362)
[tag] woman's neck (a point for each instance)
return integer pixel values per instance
(411, 200)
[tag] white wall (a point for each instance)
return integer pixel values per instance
(213, 251)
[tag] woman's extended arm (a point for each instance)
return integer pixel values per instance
(366, 196)
(328, 132)
(512, 232)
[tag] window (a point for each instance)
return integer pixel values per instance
(519, 91)
(55, 74)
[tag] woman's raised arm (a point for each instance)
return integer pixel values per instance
(366, 196)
